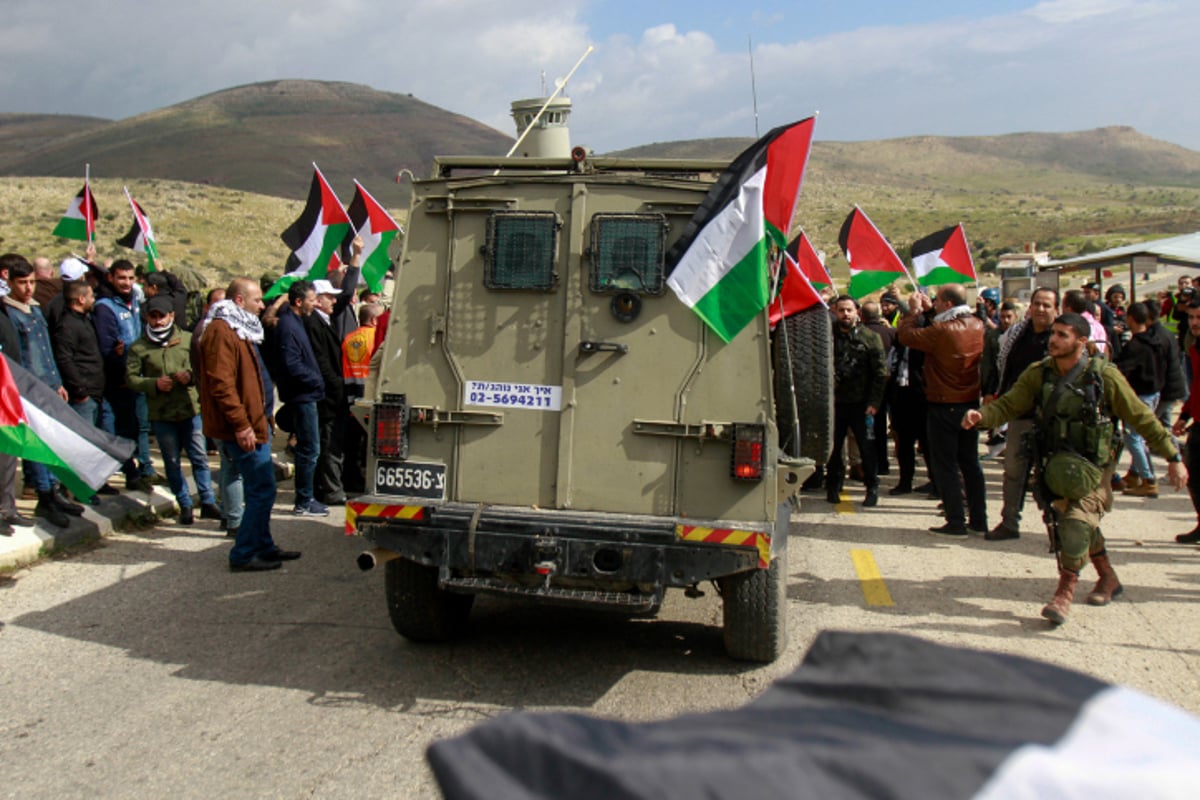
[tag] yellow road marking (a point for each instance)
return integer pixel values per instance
(874, 590)
(844, 506)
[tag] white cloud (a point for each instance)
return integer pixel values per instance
(1057, 65)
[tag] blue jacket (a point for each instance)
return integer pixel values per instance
(115, 322)
(300, 378)
(36, 352)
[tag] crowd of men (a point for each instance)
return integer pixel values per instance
(1051, 380)
(126, 357)
(1048, 379)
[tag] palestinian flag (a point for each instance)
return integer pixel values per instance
(377, 229)
(801, 251)
(718, 267)
(866, 715)
(141, 236)
(37, 424)
(80, 220)
(943, 257)
(787, 157)
(314, 238)
(873, 262)
(798, 291)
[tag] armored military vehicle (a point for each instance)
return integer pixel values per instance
(549, 422)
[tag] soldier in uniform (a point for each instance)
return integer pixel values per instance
(1075, 396)
(860, 373)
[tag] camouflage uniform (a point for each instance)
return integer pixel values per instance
(1079, 520)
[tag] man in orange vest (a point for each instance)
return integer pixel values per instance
(357, 348)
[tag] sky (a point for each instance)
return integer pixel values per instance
(661, 70)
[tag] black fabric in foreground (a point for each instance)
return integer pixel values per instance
(865, 715)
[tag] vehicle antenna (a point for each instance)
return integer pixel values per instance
(753, 87)
(559, 85)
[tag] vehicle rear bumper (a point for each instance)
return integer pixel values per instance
(587, 551)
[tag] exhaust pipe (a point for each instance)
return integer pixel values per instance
(369, 559)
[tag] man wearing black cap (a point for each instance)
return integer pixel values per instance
(889, 308)
(159, 366)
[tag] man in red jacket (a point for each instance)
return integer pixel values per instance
(952, 340)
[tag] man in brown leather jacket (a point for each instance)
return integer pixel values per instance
(953, 343)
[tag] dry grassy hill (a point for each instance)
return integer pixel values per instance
(264, 137)
(1072, 192)
(211, 172)
(215, 232)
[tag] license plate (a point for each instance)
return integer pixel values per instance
(411, 479)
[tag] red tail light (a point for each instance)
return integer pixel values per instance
(749, 452)
(391, 427)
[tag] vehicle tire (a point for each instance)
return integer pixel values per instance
(754, 612)
(420, 610)
(805, 362)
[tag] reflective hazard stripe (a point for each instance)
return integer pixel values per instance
(728, 536)
(379, 511)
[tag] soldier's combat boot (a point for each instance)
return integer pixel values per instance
(1108, 586)
(1060, 605)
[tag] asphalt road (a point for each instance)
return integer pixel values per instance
(143, 668)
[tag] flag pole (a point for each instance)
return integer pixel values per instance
(88, 222)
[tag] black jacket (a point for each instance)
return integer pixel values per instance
(328, 349)
(296, 375)
(1176, 384)
(10, 342)
(77, 352)
(1143, 362)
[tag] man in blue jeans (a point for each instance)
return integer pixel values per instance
(233, 405)
(36, 356)
(301, 387)
(159, 366)
(117, 317)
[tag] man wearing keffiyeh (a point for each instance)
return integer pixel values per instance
(234, 408)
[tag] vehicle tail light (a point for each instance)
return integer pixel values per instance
(749, 450)
(391, 427)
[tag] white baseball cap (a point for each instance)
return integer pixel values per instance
(72, 269)
(322, 286)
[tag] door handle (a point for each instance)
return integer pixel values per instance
(587, 348)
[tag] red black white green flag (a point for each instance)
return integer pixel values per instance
(798, 291)
(141, 236)
(80, 220)
(873, 262)
(37, 424)
(787, 158)
(805, 255)
(718, 267)
(865, 715)
(943, 257)
(315, 237)
(377, 229)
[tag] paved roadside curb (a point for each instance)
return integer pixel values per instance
(30, 544)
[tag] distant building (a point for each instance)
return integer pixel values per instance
(1019, 274)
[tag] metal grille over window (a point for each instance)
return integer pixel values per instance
(521, 250)
(627, 253)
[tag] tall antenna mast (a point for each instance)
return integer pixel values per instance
(753, 87)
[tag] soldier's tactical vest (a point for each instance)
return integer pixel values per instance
(1076, 433)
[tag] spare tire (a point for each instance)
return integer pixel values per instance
(803, 356)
